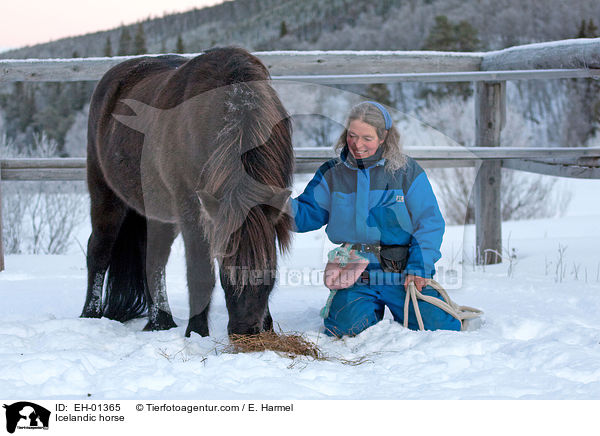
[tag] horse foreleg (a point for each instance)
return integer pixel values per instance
(200, 277)
(160, 239)
(268, 321)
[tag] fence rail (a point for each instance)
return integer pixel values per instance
(532, 61)
(489, 71)
(583, 161)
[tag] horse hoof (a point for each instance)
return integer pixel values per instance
(155, 326)
(90, 314)
(163, 321)
(197, 325)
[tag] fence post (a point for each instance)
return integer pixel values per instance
(1, 229)
(489, 120)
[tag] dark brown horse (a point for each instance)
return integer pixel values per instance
(202, 147)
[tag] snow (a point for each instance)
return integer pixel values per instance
(546, 44)
(538, 339)
(475, 55)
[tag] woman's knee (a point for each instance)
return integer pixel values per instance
(351, 313)
(343, 326)
(435, 318)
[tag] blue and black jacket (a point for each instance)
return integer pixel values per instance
(370, 205)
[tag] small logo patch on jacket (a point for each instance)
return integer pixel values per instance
(399, 198)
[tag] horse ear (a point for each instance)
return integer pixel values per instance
(145, 115)
(209, 203)
(280, 204)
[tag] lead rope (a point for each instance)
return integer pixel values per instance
(461, 313)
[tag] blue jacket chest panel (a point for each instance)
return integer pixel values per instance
(367, 208)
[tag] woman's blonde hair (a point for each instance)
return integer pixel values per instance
(392, 147)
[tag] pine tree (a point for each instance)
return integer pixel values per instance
(592, 29)
(447, 36)
(587, 30)
(380, 93)
(465, 37)
(180, 47)
(19, 108)
(124, 43)
(80, 93)
(582, 30)
(441, 35)
(56, 118)
(139, 45)
(108, 48)
(283, 29)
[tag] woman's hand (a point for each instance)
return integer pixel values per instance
(341, 277)
(420, 282)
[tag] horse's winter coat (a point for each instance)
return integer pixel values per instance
(202, 147)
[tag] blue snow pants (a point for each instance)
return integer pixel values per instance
(356, 308)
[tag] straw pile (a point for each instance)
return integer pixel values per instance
(290, 345)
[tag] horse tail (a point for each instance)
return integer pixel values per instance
(253, 160)
(126, 287)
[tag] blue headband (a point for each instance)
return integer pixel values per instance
(386, 115)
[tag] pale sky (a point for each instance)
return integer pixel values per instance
(29, 22)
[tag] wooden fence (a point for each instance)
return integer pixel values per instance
(490, 71)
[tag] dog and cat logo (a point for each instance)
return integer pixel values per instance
(26, 416)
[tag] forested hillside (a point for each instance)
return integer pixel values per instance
(333, 24)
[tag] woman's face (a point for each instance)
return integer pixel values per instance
(362, 139)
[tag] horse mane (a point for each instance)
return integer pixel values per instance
(252, 159)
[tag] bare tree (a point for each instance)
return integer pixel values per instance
(76, 138)
(40, 217)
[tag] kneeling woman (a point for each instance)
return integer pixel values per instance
(379, 202)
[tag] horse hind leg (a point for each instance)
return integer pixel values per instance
(107, 216)
(160, 239)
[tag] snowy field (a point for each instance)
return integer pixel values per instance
(539, 337)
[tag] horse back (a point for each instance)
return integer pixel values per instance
(114, 152)
(185, 101)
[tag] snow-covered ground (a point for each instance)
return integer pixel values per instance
(539, 339)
